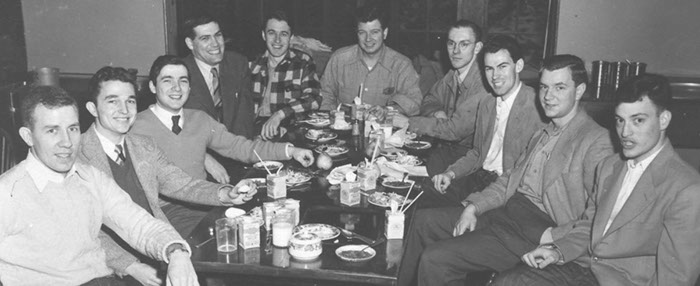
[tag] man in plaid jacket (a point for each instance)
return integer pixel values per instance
(284, 79)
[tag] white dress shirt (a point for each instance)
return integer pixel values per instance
(166, 117)
(108, 146)
(494, 158)
(634, 173)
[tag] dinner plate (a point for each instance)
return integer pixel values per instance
(320, 135)
(338, 173)
(317, 115)
(332, 150)
(409, 160)
(382, 199)
(355, 252)
(417, 145)
(392, 153)
(323, 231)
(318, 122)
(271, 165)
(297, 177)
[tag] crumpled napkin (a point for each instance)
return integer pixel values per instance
(397, 139)
(395, 170)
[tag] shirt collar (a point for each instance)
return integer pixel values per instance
(511, 95)
(42, 175)
(644, 163)
(166, 116)
(462, 76)
(382, 61)
(205, 68)
(108, 146)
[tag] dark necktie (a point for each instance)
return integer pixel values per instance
(120, 154)
(176, 126)
(216, 93)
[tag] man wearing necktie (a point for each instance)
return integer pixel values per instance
(220, 79)
(448, 111)
(642, 225)
(140, 168)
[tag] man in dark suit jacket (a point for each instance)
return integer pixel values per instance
(504, 123)
(219, 79)
(642, 226)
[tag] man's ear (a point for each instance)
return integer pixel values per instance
(665, 119)
(92, 108)
(580, 90)
(189, 43)
(477, 48)
(386, 32)
(152, 87)
(26, 135)
(519, 65)
(262, 33)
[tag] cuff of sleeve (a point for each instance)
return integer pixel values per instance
(184, 244)
(555, 247)
(223, 197)
(287, 152)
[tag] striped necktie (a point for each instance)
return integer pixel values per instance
(120, 154)
(216, 93)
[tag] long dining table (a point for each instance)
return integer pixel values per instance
(319, 203)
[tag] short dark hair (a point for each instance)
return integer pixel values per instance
(279, 16)
(653, 86)
(574, 63)
(370, 13)
(191, 23)
(50, 97)
(163, 61)
(107, 74)
(464, 23)
(503, 42)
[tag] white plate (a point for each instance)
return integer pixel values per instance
(318, 122)
(297, 177)
(409, 160)
(323, 231)
(352, 252)
(322, 115)
(382, 199)
(392, 153)
(338, 174)
(417, 145)
(331, 150)
(320, 135)
(271, 165)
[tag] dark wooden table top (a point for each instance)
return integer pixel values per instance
(319, 203)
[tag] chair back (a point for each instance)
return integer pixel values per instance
(7, 160)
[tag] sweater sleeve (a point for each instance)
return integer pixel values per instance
(240, 148)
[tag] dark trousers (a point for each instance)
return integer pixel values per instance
(569, 274)
(105, 281)
(458, 190)
(501, 237)
(443, 156)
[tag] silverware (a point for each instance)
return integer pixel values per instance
(350, 235)
(211, 232)
(378, 242)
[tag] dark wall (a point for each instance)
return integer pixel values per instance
(13, 54)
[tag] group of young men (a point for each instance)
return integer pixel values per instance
(524, 182)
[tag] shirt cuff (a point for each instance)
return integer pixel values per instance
(223, 197)
(286, 150)
(184, 244)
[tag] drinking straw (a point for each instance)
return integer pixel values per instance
(262, 162)
(374, 154)
(362, 88)
(339, 105)
(406, 197)
(414, 200)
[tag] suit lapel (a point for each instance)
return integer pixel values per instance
(491, 123)
(562, 153)
(229, 96)
(607, 197)
(200, 90)
(93, 151)
(139, 159)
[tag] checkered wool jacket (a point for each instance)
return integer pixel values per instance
(295, 87)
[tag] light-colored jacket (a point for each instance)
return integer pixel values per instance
(523, 121)
(568, 175)
(156, 174)
(654, 238)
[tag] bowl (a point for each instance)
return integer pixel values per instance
(355, 252)
(305, 246)
(398, 186)
(234, 212)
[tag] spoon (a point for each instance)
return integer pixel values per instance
(405, 174)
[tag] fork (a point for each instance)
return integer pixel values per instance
(350, 235)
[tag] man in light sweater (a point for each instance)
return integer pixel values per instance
(52, 208)
(140, 168)
(185, 134)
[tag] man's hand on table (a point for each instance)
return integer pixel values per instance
(144, 273)
(440, 114)
(215, 169)
(467, 221)
(271, 127)
(244, 191)
(442, 181)
(180, 270)
(303, 156)
(400, 120)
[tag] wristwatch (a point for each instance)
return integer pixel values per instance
(174, 247)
